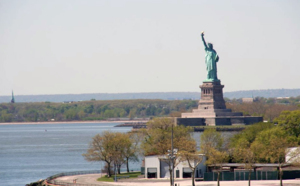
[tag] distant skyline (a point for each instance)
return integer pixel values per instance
(124, 46)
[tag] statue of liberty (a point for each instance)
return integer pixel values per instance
(211, 59)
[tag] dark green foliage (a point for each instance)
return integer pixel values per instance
(91, 110)
(290, 121)
(268, 142)
(250, 133)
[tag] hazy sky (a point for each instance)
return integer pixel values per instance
(94, 46)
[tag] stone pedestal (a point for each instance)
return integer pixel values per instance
(212, 110)
(211, 96)
(212, 103)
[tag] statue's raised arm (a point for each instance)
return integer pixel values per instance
(202, 36)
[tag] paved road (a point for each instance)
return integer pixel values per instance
(92, 179)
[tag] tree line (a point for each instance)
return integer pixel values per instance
(268, 108)
(91, 110)
(257, 143)
(102, 110)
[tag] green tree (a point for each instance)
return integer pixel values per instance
(114, 148)
(71, 114)
(81, 114)
(108, 113)
(157, 140)
(6, 117)
(31, 114)
(290, 121)
(210, 139)
(89, 109)
(193, 159)
(271, 146)
(120, 143)
(108, 147)
(243, 153)
(158, 136)
(126, 148)
(217, 158)
(212, 147)
(131, 149)
(250, 133)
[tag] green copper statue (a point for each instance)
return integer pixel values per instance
(211, 59)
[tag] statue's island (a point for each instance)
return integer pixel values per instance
(211, 109)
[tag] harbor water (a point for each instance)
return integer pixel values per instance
(29, 152)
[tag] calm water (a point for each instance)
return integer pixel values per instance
(32, 152)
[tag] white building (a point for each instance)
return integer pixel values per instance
(247, 100)
(293, 155)
(156, 167)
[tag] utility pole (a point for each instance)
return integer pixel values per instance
(115, 168)
(172, 157)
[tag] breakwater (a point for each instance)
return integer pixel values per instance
(139, 125)
(135, 125)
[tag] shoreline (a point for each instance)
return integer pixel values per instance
(72, 122)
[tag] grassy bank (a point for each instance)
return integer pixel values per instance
(111, 179)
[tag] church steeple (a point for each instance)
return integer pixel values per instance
(12, 97)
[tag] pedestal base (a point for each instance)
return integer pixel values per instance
(219, 121)
(212, 110)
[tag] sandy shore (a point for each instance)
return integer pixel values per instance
(71, 122)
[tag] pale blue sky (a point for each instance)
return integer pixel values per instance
(94, 46)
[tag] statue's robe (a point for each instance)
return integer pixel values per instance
(211, 58)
